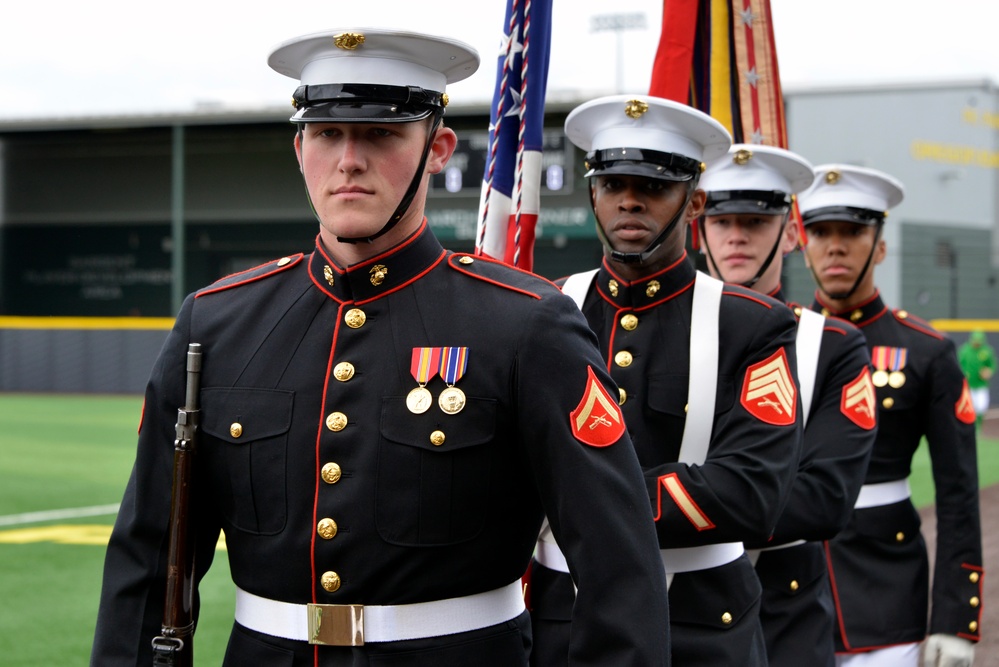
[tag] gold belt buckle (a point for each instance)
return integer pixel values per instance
(336, 624)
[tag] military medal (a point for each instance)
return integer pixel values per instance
(889, 362)
(454, 361)
(423, 366)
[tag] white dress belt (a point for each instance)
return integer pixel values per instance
(550, 555)
(884, 493)
(705, 557)
(378, 623)
(754, 554)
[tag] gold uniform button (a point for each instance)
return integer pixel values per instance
(899, 536)
(331, 473)
(284, 261)
(330, 581)
(902, 314)
(355, 318)
(622, 396)
(727, 618)
(974, 601)
(888, 402)
(794, 585)
(973, 626)
(629, 322)
(465, 260)
(797, 311)
(336, 421)
(343, 371)
(236, 429)
(623, 358)
(326, 529)
(437, 438)
(973, 577)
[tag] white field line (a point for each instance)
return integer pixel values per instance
(57, 515)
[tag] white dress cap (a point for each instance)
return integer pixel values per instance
(649, 123)
(757, 167)
(839, 186)
(375, 56)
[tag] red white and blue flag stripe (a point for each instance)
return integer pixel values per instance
(511, 189)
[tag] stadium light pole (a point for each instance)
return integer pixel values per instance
(618, 23)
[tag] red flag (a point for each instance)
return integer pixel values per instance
(720, 56)
(511, 187)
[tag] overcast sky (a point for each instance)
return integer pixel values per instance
(63, 58)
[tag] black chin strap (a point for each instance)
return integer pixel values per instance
(763, 267)
(839, 296)
(642, 257)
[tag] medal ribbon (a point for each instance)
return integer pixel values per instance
(425, 362)
(454, 361)
(889, 358)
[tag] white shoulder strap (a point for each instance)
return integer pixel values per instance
(807, 344)
(702, 384)
(577, 285)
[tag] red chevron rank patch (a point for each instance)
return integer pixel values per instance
(768, 392)
(965, 409)
(858, 403)
(597, 421)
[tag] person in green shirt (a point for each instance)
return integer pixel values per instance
(978, 361)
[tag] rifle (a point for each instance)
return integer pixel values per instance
(174, 647)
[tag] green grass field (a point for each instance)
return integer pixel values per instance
(62, 452)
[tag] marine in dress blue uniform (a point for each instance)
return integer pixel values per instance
(745, 233)
(371, 438)
(640, 305)
(878, 564)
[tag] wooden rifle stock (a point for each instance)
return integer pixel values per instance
(175, 645)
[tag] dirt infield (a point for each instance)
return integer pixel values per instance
(987, 653)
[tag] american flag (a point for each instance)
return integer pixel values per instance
(720, 56)
(511, 187)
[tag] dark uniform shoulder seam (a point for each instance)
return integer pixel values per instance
(251, 275)
(748, 297)
(916, 324)
(462, 263)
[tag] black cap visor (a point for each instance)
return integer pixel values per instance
(748, 202)
(364, 103)
(641, 162)
(858, 216)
